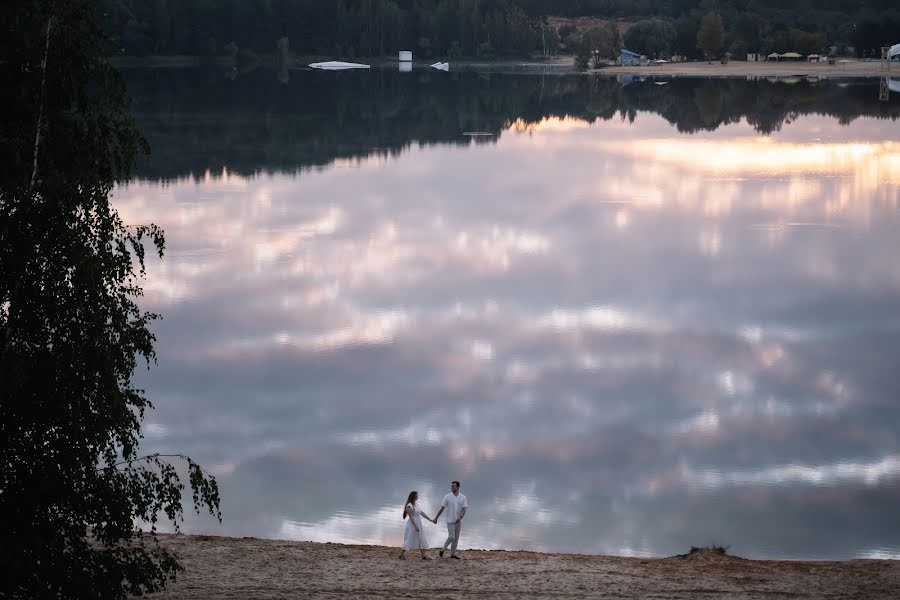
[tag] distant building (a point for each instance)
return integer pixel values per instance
(405, 55)
(751, 57)
(627, 58)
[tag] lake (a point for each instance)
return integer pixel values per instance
(629, 316)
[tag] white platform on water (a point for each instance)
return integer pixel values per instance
(336, 65)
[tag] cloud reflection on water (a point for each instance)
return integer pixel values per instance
(621, 340)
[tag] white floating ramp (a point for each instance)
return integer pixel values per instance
(336, 65)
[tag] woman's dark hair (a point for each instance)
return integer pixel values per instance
(411, 499)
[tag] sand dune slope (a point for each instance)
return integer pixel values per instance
(223, 568)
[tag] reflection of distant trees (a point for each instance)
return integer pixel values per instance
(203, 120)
(708, 100)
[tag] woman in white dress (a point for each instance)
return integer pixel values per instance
(413, 536)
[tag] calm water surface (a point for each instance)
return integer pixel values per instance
(632, 319)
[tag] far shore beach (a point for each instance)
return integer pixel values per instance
(733, 68)
(249, 568)
(566, 64)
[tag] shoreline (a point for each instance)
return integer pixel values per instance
(224, 567)
(853, 68)
(566, 65)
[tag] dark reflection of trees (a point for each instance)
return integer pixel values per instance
(199, 120)
(708, 98)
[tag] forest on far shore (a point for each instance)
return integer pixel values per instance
(491, 29)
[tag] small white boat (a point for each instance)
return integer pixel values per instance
(441, 66)
(336, 65)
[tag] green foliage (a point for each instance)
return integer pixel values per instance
(567, 30)
(73, 484)
(583, 55)
(794, 40)
(601, 42)
(874, 32)
(486, 51)
(746, 31)
(425, 46)
(685, 42)
(651, 37)
(711, 36)
(512, 27)
(333, 27)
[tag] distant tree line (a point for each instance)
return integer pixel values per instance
(494, 28)
(340, 28)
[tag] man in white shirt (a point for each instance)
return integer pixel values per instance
(456, 505)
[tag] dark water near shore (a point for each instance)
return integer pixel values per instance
(630, 316)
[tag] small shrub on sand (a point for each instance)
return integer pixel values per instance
(709, 550)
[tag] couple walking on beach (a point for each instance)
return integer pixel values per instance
(454, 503)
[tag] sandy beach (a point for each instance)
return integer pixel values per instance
(247, 568)
(853, 68)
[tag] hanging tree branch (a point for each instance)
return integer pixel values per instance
(152, 457)
(202, 482)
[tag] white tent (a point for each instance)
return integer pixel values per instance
(894, 52)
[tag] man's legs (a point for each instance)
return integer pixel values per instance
(457, 527)
(451, 536)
